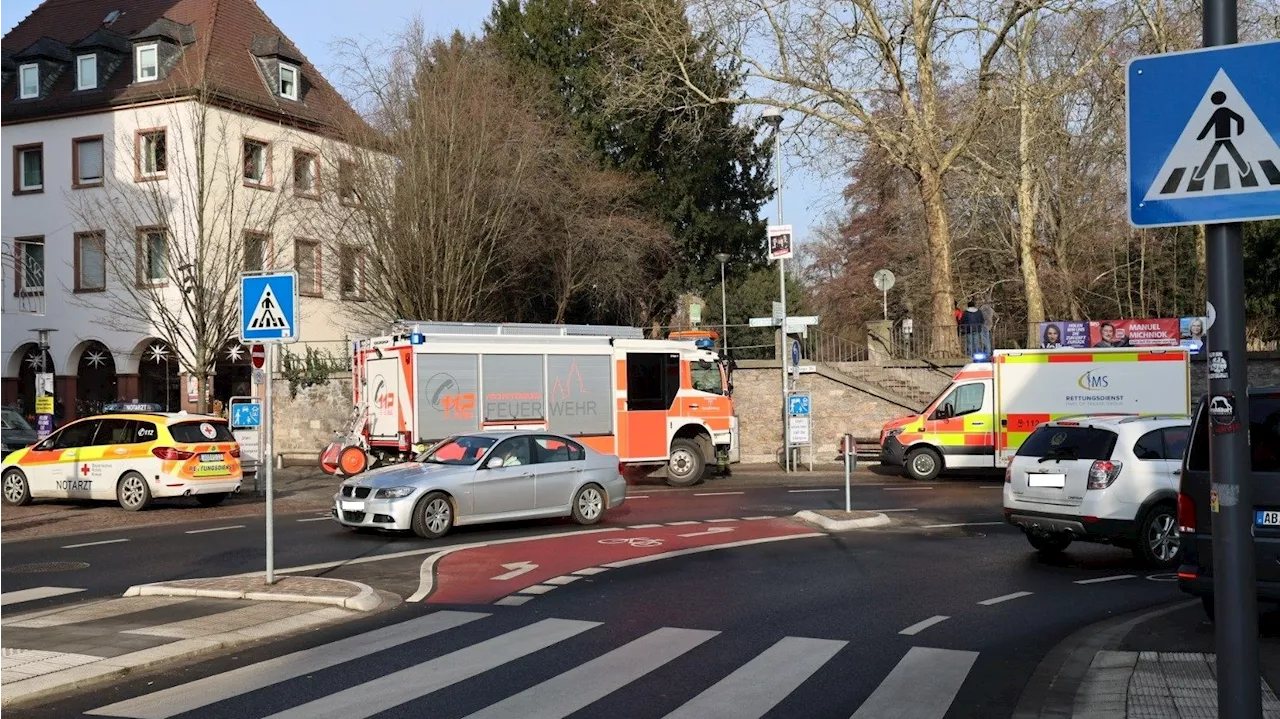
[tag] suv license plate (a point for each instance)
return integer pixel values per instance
(1267, 518)
(1047, 479)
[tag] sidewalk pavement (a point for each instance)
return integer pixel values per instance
(58, 651)
(1157, 664)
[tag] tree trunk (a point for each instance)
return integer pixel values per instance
(1201, 271)
(944, 341)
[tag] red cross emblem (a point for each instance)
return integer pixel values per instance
(84, 469)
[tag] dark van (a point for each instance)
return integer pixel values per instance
(1195, 575)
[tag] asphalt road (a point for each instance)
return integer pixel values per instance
(947, 619)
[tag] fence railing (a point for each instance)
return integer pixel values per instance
(828, 347)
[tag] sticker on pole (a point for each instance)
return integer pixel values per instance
(268, 307)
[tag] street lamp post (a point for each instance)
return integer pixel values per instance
(722, 258)
(773, 116)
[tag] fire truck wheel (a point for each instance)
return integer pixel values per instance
(433, 517)
(353, 461)
(923, 464)
(686, 464)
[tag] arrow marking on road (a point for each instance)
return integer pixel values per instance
(517, 568)
(710, 530)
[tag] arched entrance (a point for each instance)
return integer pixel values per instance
(233, 375)
(27, 370)
(96, 380)
(159, 376)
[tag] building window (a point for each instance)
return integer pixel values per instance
(306, 262)
(153, 248)
(288, 81)
(29, 253)
(87, 72)
(28, 168)
(153, 158)
(257, 246)
(86, 161)
(350, 273)
(91, 261)
(30, 85)
(347, 191)
(306, 174)
(257, 163)
(146, 60)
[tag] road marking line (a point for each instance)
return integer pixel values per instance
(392, 690)
(714, 494)
(215, 529)
(753, 519)
(902, 692)
(729, 519)
(710, 548)
(220, 687)
(918, 627)
(512, 601)
(991, 486)
(644, 526)
(537, 589)
(315, 519)
(637, 496)
(1100, 580)
(681, 524)
(904, 489)
(562, 580)
(566, 693)
(960, 524)
(591, 571)
(898, 509)
(30, 595)
(759, 685)
(1005, 598)
(95, 544)
(803, 491)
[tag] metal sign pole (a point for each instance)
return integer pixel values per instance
(1235, 595)
(269, 461)
(848, 470)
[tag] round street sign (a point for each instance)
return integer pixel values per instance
(258, 354)
(883, 280)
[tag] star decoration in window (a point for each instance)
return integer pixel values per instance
(33, 360)
(157, 353)
(96, 359)
(235, 352)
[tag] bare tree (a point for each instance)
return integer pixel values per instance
(184, 208)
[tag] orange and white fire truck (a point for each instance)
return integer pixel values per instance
(649, 402)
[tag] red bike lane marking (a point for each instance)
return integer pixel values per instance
(467, 576)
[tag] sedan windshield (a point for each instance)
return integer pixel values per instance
(13, 420)
(464, 450)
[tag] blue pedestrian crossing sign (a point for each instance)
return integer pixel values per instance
(1204, 136)
(268, 307)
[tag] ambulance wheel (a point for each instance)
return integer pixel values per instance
(132, 492)
(211, 500)
(923, 464)
(16, 491)
(353, 461)
(686, 464)
(433, 517)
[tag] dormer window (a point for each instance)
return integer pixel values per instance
(87, 72)
(146, 60)
(288, 81)
(30, 81)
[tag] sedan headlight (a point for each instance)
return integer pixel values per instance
(393, 492)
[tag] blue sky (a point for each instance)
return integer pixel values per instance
(315, 24)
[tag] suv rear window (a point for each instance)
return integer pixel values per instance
(1264, 435)
(1085, 442)
(195, 432)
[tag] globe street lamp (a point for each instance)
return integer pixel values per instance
(722, 258)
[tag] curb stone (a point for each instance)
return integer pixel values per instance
(365, 600)
(873, 519)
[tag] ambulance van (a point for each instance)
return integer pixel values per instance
(983, 416)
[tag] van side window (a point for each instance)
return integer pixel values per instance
(965, 399)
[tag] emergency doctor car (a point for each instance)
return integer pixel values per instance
(131, 457)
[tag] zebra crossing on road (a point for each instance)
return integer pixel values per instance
(923, 684)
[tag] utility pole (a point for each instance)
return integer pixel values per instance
(773, 116)
(1234, 590)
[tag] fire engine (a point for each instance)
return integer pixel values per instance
(648, 401)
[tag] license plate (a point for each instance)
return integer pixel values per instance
(211, 457)
(351, 506)
(1047, 480)
(1267, 518)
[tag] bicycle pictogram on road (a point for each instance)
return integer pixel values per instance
(639, 542)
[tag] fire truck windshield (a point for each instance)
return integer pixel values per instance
(707, 377)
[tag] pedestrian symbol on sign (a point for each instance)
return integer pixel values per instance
(267, 314)
(1223, 150)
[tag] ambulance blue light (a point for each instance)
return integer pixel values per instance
(980, 357)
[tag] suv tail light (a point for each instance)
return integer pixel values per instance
(1186, 514)
(235, 451)
(1103, 472)
(1008, 474)
(172, 454)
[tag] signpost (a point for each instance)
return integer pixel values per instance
(1201, 139)
(799, 423)
(268, 316)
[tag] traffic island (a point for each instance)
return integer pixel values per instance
(301, 590)
(838, 520)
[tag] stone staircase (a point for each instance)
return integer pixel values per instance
(918, 386)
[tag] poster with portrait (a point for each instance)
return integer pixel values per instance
(1191, 333)
(780, 242)
(1056, 335)
(1134, 333)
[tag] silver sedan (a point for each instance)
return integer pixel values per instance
(484, 477)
